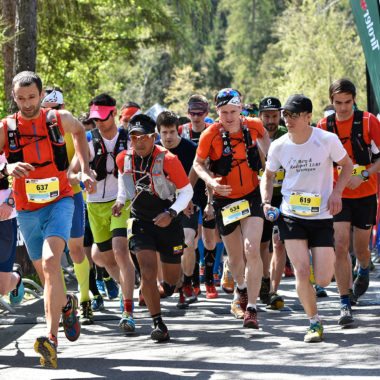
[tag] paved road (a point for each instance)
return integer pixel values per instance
(206, 343)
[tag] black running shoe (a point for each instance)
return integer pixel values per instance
(360, 285)
(159, 335)
(346, 319)
(264, 290)
(275, 301)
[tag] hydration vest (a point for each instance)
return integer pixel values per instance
(54, 135)
(223, 165)
(99, 163)
(361, 151)
(4, 184)
(159, 184)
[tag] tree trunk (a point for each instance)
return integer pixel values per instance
(26, 37)
(8, 13)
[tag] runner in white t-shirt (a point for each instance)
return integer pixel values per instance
(309, 200)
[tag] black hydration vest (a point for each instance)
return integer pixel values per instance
(99, 163)
(54, 134)
(360, 149)
(223, 165)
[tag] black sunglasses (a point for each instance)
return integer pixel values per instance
(97, 120)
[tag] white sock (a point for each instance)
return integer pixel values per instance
(243, 286)
(251, 305)
(315, 319)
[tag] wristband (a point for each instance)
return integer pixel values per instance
(265, 203)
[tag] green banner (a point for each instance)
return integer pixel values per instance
(366, 13)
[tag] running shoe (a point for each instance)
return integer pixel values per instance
(159, 334)
(97, 303)
(236, 309)
(127, 324)
(197, 290)
(86, 316)
(47, 348)
(314, 333)
(288, 271)
(346, 319)
(264, 290)
(70, 321)
(182, 304)
(353, 299)
(17, 294)
(202, 275)
(243, 297)
(211, 291)
(101, 288)
(320, 291)
(189, 294)
(141, 299)
(275, 301)
(112, 288)
(137, 279)
(250, 319)
(227, 279)
(360, 285)
(216, 279)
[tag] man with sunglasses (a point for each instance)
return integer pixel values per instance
(359, 133)
(109, 232)
(309, 200)
(197, 110)
(150, 176)
(231, 147)
(32, 140)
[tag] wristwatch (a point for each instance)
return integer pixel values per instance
(3, 167)
(172, 213)
(364, 175)
(10, 202)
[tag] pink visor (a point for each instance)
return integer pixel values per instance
(100, 112)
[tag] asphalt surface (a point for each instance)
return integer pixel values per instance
(206, 342)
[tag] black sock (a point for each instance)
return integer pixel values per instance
(186, 280)
(92, 282)
(195, 276)
(99, 273)
(157, 321)
(209, 264)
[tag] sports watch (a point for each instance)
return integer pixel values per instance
(172, 213)
(10, 202)
(364, 175)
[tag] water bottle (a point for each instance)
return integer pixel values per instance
(273, 215)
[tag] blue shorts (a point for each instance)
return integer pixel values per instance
(52, 220)
(77, 227)
(8, 242)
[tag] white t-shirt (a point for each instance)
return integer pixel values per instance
(106, 188)
(308, 167)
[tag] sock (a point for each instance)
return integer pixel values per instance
(186, 280)
(53, 338)
(157, 321)
(251, 306)
(243, 286)
(195, 276)
(345, 301)
(105, 273)
(200, 254)
(128, 306)
(92, 283)
(209, 263)
(68, 306)
(315, 319)
(63, 280)
(99, 273)
(82, 271)
(363, 272)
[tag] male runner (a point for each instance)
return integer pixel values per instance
(309, 201)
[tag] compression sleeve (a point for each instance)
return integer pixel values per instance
(184, 197)
(121, 193)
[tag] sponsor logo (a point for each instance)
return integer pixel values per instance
(369, 25)
(178, 249)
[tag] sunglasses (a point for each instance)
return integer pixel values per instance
(97, 120)
(292, 115)
(223, 94)
(141, 138)
(196, 113)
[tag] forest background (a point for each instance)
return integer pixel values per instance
(162, 51)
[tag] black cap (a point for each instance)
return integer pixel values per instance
(269, 104)
(142, 123)
(298, 103)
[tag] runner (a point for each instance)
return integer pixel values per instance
(150, 178)
(231, 146)
(272, 249)
(184, 149)
(309, 201)
(109, 233)
(128, 110)
(359, 133)
(43, 196)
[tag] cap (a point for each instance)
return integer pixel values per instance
(269, 104)
(298, 103)
(100, 112)
(142, 123)
(128, 112)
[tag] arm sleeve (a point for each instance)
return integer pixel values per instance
(184, 197)
(374, 129)
(121, 193)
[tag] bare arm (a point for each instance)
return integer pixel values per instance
(266, 189)
(193, 177)
(263, 143)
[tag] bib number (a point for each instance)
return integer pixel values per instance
(305, 204)
(235, 211)
(355, 171)
(278, 179)
(129, 227)
(42, 190)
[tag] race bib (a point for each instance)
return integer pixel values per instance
(42, 190)
(129, 227)
(278, 179)
(305, 204)
(235, 211)
(355, 171)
